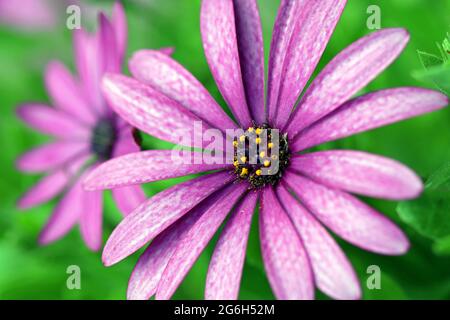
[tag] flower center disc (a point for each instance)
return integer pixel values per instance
(103, 138)
(261, 155)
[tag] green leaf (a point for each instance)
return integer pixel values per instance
(429, 215)
(446, 47)
(389, 290)
(442, 246)
(429, 60)
(439, 75)
(440, 179)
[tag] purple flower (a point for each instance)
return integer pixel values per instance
(311, 192)
(86, 133)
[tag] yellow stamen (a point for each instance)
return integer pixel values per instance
(244, 172)
(242, 138)
(258, 140)
(266, 163)
(244, 159)
(270, 145)
(250, 129)
(262, 154)
(235, 144)
(236, 163)
(258, 172)
(258, 131)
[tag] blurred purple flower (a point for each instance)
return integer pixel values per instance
(87, 133)
(315, 189)
(29, 14)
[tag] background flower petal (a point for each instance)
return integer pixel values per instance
(51, 156)
(66, 93)
(51, 121)
(66, 214)
(119, 22)
(87, 61)
(91, 219)
(51, 185)
(128, 198)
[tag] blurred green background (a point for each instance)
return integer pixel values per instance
(28, 271)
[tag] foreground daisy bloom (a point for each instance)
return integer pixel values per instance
(311, 192)
(87, 132)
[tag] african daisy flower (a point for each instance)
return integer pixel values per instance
(86, 133)
(310, 193)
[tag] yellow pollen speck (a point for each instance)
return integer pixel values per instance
(244, 171)
(266, 163)
(258, 131)
(250, 129)
(235, 143)
(244, 159)
(270, 145)
(258, 172)
(258, 140)
(242, 138)
(236, 163)
(262, 154)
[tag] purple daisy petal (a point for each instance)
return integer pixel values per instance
(333, 273)
(282, 33)
(67, 94)
(285, 259)
(359, 172)
(87, 58)
(51, 185)
(128, 198)
(163, 73)
(302, 31)
(46, 189)
(225, 269)
(109, 56)
(369, 112)
(66, 214)
(218, 28)
(51, 121)
(50, 156)
(251, 53)
(346, 74)
(349, 217)
(151, 111)
(119, 22)
(157, 213)
(195, 240)
(151, 264)
(91, 219)
(143, 167)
